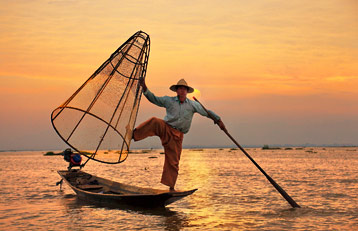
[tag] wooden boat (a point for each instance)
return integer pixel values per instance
(99, 190)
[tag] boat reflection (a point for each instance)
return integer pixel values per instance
(78, 210)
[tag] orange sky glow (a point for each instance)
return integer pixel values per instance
(280, 72)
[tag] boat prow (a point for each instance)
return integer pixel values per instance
(96, 189)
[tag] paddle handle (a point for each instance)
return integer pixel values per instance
(277, 187)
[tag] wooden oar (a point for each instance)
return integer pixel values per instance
(277, 187)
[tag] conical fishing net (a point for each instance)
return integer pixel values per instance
(98, 119)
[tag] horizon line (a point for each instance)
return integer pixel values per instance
(211, 147)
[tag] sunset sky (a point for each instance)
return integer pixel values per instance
(276, 71)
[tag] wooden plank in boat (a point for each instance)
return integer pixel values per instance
(89, 186)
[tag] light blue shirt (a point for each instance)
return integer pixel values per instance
(179, 115)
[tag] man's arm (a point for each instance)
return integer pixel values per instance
(159, 101)
(199, 109)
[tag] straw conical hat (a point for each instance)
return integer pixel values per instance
(181, 82)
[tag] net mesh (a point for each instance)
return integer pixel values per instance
(98, 119)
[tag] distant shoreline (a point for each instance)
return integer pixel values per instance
(211, 147)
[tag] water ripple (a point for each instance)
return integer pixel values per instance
(232, 195)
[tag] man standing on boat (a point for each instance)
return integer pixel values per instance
(180, 111)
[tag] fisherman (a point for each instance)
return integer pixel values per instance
(180, 111)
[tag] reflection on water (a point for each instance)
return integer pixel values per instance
(79, 211)
(232, 193)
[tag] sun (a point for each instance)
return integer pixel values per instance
(196, 93)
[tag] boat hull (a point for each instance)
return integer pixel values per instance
(99, 190)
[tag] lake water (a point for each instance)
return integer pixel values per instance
(232, 193)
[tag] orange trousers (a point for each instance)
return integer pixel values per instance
(172, 141)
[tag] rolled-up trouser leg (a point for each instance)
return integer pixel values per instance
(172, 151)
(151, 127)
(172, 142)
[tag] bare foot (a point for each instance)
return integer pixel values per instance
(171, 189)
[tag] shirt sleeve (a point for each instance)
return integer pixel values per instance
(159, 101)
(199, 109)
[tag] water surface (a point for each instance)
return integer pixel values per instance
(232, 194)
